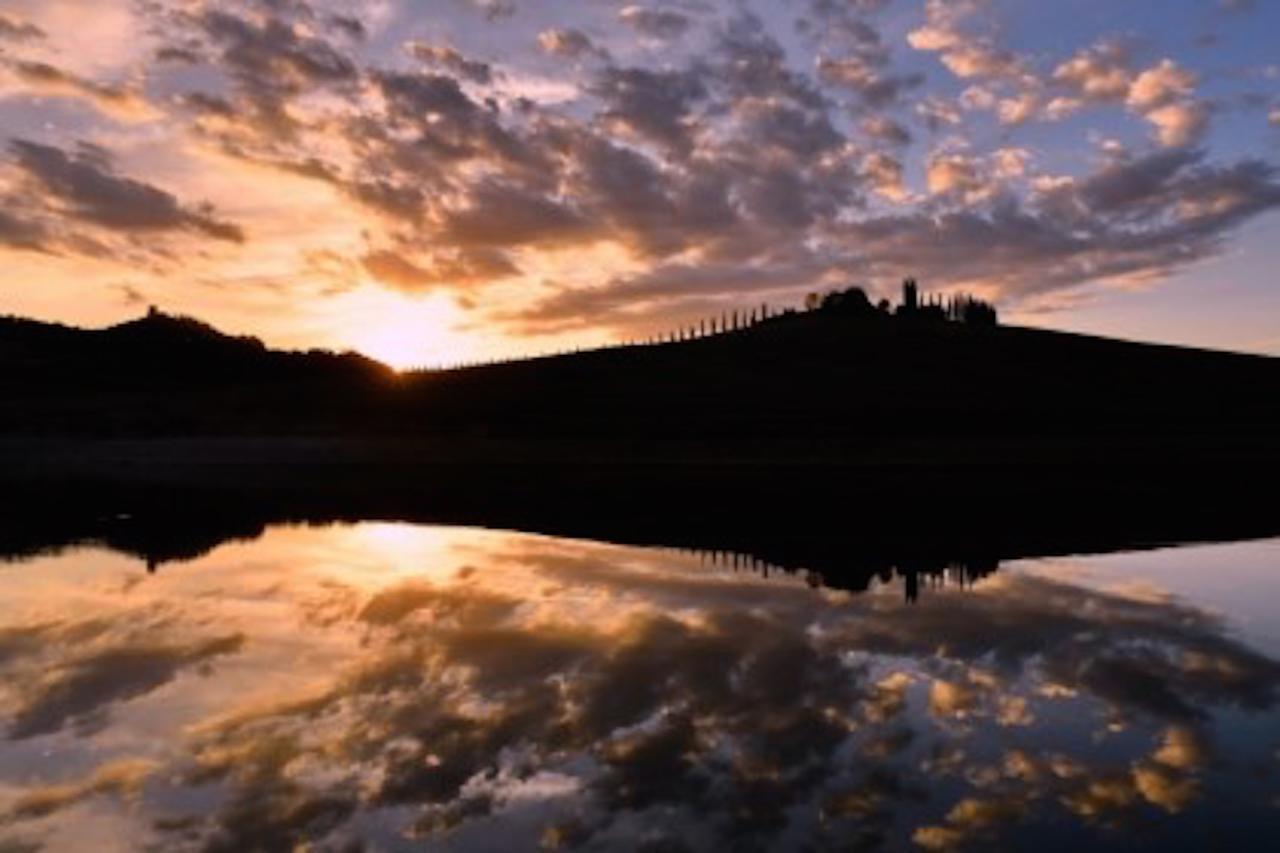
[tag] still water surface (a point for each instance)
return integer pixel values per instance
(390, 687)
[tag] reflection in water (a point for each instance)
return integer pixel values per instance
(390, 685)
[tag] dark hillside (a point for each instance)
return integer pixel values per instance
(786, 381)
(172, 375)
(814, 375)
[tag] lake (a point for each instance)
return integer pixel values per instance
(390, 686)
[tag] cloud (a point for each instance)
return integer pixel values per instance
(1163, 94)
(271, 52)
(568, 42)
(394, 269)
(752, 64)
(625, 191)
(1160, 86)
(739, 153)
(875, 88)
(116, 101)
(950, 699)
(86, 187)
(1012, 86)
(16, 29)
(969, 820)
(884, 173)
(676, 291)
(787, 129)
(1010, 163)
(1099, 73)
(973, 179)
(842, 26)
(497, 215)
(1169, 791)
(656, 106)
(82, 689)
(348, 25)
(937, 113)
(456, 269)
(967, 60)
(272, 62)
(1137, 219)
(19, 233)
(427, 97)
(1182, 748)
(966, 55)
(123, 778)
(1179, 123)
(444, 56)
(663, 24)
(887, 130)
(1002, 80)
(954, 173)
(495, 10)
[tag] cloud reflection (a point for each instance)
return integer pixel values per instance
(514, 686)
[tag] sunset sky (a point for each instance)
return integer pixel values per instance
(436, 180)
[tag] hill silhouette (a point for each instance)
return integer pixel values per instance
(909, 438)
(173, 375)
(844, 374)
(833, 375)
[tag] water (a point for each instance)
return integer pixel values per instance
(388, 687)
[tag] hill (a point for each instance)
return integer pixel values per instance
(163, 374)
(800, 380)
(827, 376)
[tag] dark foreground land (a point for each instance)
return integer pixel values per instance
(843, 445)
(761, 391)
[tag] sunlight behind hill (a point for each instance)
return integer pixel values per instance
(401, 330)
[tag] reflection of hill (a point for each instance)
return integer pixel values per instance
(842, 528)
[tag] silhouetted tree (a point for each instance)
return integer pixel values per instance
(852, 301)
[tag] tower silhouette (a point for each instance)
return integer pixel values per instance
(910, 295)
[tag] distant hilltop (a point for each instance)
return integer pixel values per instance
(851, 302)
(169, 374)
(843, 370)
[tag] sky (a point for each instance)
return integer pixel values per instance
(433, 181)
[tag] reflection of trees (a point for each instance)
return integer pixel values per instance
(720, 713)
(840, 571)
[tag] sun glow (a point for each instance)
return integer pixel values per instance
(402, 330)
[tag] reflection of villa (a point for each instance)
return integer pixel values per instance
(930, 573)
